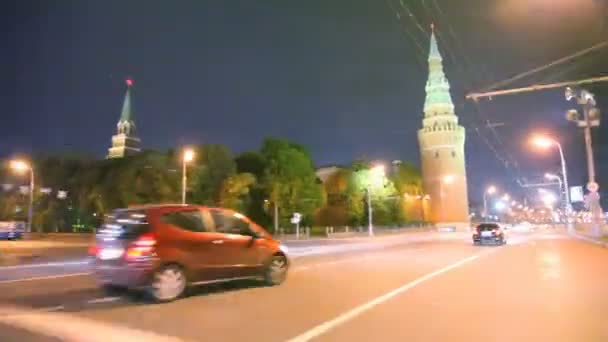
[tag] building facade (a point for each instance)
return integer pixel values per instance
(442, 154)
(125, 142)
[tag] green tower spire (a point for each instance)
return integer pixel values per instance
(127, 109)
(125, 142)
(438, 100)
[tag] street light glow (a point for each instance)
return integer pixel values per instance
(19, 165)
(378, 170)
(188, 155)
(499, 205)
(542, 141)
(506, 197)
(491, 189)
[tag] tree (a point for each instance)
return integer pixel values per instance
(289, 179)
(213, 165)
(408, 184)
(235, 190)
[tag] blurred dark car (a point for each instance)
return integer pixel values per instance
(491, 233)
(164, 248)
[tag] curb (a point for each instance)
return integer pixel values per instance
(591, 240)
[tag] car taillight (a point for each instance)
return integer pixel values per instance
(93, 250)
(142, 247)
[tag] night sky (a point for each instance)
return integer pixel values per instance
(343, 77)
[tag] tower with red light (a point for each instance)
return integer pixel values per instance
(125, 142)
(441, 140)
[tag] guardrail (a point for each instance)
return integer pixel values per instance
(346, 231)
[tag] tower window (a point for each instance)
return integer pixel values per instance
(436, 154)
(453, 154)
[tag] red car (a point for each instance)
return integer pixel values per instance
(164, 248)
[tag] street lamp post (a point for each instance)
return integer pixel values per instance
(21, 166)
(546, 142)
(186, 158)
(489, 191)
(376, 171)
(565, 198)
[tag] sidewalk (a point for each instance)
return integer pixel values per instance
(583, 233)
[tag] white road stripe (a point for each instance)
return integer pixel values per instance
(45, 277)
(347, 316)
(104, 300)
(48, 264)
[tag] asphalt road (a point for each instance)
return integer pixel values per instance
(539, 287)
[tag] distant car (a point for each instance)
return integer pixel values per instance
(164, 248)
(489, 233)
(11, 230)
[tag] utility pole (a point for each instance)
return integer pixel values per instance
(591, 118)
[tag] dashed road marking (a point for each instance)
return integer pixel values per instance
(104, 300)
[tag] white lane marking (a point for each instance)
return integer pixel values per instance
(48, 264)
(348, 315)
(355, 259)
(72, 328)
(45, 277)
(53, 308)
(104, 300)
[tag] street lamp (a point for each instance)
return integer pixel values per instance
(186, 158)
(545, 142)
(375, 173)
(21, 166)
(506, 197)
(489, 191)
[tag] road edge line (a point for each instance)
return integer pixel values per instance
(45, 277)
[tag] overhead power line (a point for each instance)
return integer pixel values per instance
(537, 87)
(547, 66)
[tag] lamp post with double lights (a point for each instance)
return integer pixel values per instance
(591, 118)
(21, 166)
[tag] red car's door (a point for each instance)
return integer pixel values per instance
(190, 240)
(241, 251)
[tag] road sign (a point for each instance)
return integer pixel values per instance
(296, 218)
(576, 194)
(593, 186)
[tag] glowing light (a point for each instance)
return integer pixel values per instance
(491, 189)
(542, 141)
(129, 82)
(19, 165)
(378, 170)
(506, 197)
(188, 156)
(500, 205)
